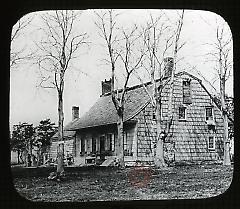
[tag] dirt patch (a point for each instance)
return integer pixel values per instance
(106, 184)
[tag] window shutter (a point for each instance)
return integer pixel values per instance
(112, 142)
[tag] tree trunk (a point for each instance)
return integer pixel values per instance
(120, 144)
(21, 157)
(159, 156)
(18, 155)
(30, 152)
(171, 87)
(60, 156)
(226, 155)
(170, 104)
(38, 156)
(226, 160)
(60, 152)
(27, 154)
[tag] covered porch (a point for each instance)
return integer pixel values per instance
(96, 145)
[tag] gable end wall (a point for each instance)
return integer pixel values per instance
(189, 138)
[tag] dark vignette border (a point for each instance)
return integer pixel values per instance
(13, 10)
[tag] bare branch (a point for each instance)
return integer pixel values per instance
(59, 44)
(153, 102)
(20, 56)
(20, 26)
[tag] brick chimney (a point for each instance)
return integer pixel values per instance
(168, 67)
(106, 86)
(75, 112)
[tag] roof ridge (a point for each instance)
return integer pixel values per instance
(149, 82)
(140, 99)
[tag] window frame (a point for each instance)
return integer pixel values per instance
(214, 143)
(88, 142)
(82, 146)
(209, 107)
(104, 139)
(126, 153)
(190, 90)
(111, 142)
(185, 113)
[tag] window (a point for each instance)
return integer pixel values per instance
(110, 142)
(154, 116)
(209, 113)
(102, 144)
(211, 142)
(182, 113)
(187, 92)
(94, 144)
(128, 143)
(82, 146)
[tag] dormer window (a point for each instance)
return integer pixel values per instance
(187, 97)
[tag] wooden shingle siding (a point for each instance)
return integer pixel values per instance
(190, 137)
(68, 148)
(146, 134)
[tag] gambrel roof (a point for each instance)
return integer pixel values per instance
(103, 111)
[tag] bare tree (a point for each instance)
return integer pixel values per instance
(177, 47)
(58, 47)
(159, 39)
(19, 55)
(221, 55)
(122, 47)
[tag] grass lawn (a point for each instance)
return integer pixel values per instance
(98, 183)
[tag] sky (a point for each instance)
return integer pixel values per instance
(31, 104)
